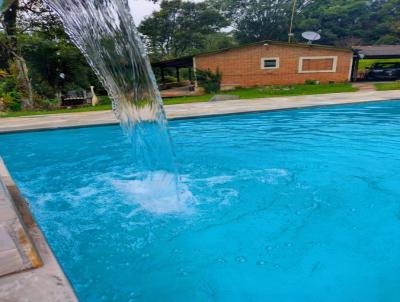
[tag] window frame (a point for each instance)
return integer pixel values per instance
(276, 59)
(334, 64)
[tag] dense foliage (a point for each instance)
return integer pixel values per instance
(180, 28)
(37, 60)
(347, 23)
(10, 98)
(255, 20)
(56, 65)
(340, 22)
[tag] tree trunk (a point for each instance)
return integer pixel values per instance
(23, 76)
(10, 26)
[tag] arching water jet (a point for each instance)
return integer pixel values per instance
(105, 32)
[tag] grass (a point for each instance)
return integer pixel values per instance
(388, 86)
(244, 93)
(363, 64)
(270, 91)
(41, 112)
(187, 99)
(275, 91)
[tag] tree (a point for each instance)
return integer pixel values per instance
(179, 28)
(10, 47)
(341, 22)
(348, 23)
(20, 16)
(55, 65)
(256, 20)
(35, 16)
(218, 40)
(384, 23)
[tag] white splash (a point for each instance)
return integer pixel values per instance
(156, 193)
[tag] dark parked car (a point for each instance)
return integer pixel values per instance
(384, 71)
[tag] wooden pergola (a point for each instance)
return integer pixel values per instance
(177, 64)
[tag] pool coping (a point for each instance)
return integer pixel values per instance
(195, 110)
(44, 280)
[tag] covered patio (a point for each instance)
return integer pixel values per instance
(176, 65)
(375, 52)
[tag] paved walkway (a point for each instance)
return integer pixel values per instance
(364, 86)
(178, 91)
(54, 121)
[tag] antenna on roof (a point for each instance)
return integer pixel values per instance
(311, 36)
(290, 34)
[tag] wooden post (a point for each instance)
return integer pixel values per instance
(354, 68)
(178, 78)
(291, 22)
(162, 75)
(190, 74)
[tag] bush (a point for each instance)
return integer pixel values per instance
(10, 98)
(11, 101)
(43, 88)
(104, 100)
(311, 82)
(47, 104)
(210, 81)
(170, 79)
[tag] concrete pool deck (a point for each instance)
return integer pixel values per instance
(80, 119)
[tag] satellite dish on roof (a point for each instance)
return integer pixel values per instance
(311, 36)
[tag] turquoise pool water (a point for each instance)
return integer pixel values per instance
(299, 205)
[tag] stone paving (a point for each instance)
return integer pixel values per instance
(54, 121)
(364, 86)
(17, 252)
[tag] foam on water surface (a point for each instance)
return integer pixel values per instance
(156, 192)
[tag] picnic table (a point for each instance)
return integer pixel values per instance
(76, 98)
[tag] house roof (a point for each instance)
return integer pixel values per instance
(181, 62)
(378, 51)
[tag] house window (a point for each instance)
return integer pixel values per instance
(317, 64)
(269, 63)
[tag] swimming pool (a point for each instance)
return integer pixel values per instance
(298, 205)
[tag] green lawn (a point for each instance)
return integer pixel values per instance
(244, 93)
(187, 99)
(363, 64)
(81, 109)
(388, 86)
(274, 91)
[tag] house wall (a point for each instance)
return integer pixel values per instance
(242, 66)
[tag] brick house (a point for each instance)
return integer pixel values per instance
(271, 63)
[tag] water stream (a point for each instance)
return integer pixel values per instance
(105, 32)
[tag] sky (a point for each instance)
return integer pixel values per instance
(141, 9)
